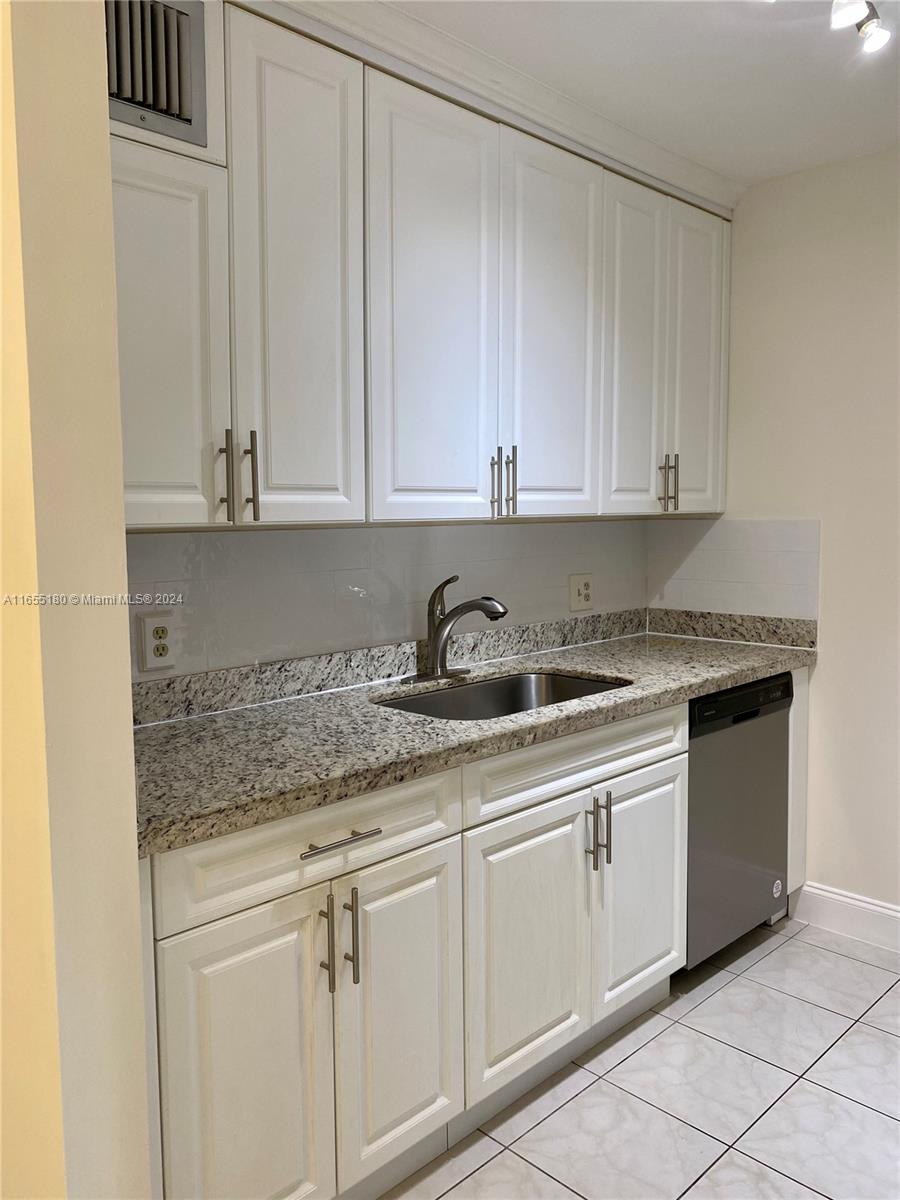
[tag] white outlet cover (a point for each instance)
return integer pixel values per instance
(581, 593)
(158, 641)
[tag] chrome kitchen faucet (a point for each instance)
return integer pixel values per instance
(440, 626)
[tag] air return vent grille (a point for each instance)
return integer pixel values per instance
(156, 66)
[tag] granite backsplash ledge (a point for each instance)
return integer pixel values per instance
(734, 627)
(180, 696)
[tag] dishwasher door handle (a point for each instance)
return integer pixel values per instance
(746, 716)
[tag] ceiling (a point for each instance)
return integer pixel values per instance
(745, 88)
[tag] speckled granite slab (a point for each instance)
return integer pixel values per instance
(773, 631)
(213, 775)
(175, 697)
(233, 687)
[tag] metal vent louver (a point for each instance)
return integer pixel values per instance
(156, 66)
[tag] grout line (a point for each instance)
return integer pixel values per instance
(731, 978)
(603, 1074)
(782, 992)
(744, 1154)
(469, 1174)
(568, 1186)
(706, 1171)
(851, 1099)
(851, 957)
(749, 1053)
(671, 1115)
(562, 1104)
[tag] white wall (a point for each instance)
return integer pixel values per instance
(262, 595)
(762, 568)
(814, 432)
(77, 537)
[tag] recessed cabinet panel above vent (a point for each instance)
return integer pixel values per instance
(156, 66)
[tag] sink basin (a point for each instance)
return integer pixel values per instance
(502, 696)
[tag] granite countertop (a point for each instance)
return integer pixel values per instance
(205, 776)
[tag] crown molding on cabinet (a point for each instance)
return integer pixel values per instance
(407, 47)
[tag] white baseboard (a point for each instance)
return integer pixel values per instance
(843, 912)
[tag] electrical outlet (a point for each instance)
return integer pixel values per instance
(581, 592)
(158, 649)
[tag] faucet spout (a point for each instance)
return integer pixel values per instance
(440, 627)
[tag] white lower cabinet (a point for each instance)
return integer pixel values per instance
(246, 1071)
(398, 1016)
(528, 940)
(640, 894)
(310, 1041)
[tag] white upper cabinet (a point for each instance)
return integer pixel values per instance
(664, 382)
(295, 151)
(634, 314)
(696, 383)
(433, 217)
(171, 237)
(399, 1017)
(640, 898)
(246, 1056)
(550, 341)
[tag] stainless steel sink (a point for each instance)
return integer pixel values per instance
(502, 696)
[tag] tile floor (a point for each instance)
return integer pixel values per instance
(770, 1073)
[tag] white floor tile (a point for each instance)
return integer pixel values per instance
(610, 1052)
(608, 1145)
(842, 984)
(508, 1177)
(788, 926)
(715, 1087)
(876, 956)
(840, 1148)
(747, 950)
(785, 1031)
(688, 988)
(865, 1066)
(737, 1177)
(450, 1168)
(537, 1104)
(886, 1013)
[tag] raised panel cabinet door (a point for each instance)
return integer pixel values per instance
(170, 216)
(640, 897)
(528, 940)
(399, 1030)
(246, 1063)
(295, 146)
(433, 220)
(550, 323)
(696, 391)
(634, 312)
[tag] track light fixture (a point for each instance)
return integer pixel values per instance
(871, 30)
(845, 13)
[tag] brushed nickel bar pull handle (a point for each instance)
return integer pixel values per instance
(228, 498)
(355, 836)
(509, 496)
(594, 813)
(607, 845)
(353, 909)
(329, 965)
(677, 484)
(515, 481)
(495, 482)
(254, 474)
(664, 498)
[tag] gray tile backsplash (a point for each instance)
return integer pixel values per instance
(263, 595)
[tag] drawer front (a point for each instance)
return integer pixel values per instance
(509, 782)
(228, 874)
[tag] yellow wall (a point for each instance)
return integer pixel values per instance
(77, 544)
(32, 1163)
(813, 432)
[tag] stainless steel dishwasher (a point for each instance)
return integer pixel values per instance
(737, 812)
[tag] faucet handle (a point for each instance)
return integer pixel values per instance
(436, 609)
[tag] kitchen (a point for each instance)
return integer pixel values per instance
(482, 779)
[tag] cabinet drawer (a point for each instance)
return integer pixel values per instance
(509, 782)
(231, 873)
